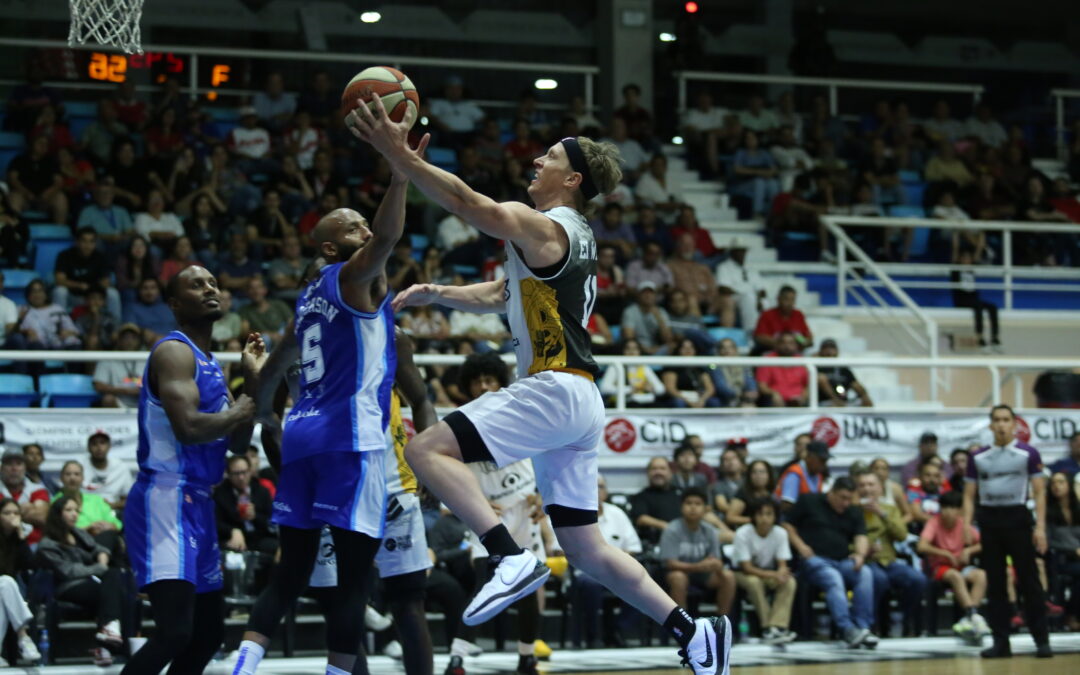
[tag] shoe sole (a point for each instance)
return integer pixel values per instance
(497, 603)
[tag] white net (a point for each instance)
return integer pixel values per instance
(107, 22)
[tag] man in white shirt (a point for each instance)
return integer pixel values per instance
(631, 153)
(250, 144)
(702, 127)
(984, 127)
(758, 118)
(942, 127)
(118, 382)
(274, 106)
(111, 479)
(454, 116)
(792, 159)
(733, 277)
(488, 327)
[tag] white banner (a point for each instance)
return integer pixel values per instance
(633, 437)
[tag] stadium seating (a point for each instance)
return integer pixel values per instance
(15, 283)
(67, 391)
(17, 391)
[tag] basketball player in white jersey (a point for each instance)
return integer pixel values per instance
(553, 413)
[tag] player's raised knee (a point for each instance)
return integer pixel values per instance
(435, 440)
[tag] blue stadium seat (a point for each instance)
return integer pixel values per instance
(467, 271)
(15, 283)
(616, 332)
(906, 211)
(738, 335)
(444, 158)
(419, 241)
(223, 114)
(35, 217)
(11, 139)
(909, 176)
(6, 155)
(77, 125)
(45, 252)
(914, 193)
(17, 391)
(50, 231)
(67, 391)
(80, 109)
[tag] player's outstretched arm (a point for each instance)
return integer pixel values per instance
(252, 360)
(509, 220)
(412, 383)
(487, 297)
(283, 355)
(171, 377)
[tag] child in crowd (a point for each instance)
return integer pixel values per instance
(761, 554)
(950, 561)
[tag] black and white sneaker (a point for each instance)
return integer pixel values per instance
(709, 651)
(870, 641)
(514, 577)
(854, 636)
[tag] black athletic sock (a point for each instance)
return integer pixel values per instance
(498, 542)
(680, 625)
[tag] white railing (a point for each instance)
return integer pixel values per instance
(994, 366)
(1059, 96)
(587, 72)
(1008, 272)
(832, 84)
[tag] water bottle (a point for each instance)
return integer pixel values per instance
(43, 647)
(744, 628)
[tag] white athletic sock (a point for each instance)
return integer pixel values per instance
(459, 647)
(526, 648)
(251, 653)
(334, 670)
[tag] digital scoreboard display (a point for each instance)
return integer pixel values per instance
(154, 67)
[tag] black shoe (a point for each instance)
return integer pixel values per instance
(527, 664)
(996, 652)
(1043, 652)
(455, 667)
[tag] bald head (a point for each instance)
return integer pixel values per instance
(341, 233)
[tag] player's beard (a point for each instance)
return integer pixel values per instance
(346, 251)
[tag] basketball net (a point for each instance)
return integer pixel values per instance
(107, 22)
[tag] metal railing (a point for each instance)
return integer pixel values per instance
(832, 84)
(1008, 271)
(1059, 96)
(193, 89)
(995, 366)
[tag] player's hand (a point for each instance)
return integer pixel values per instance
(375, 127)
(1039, 539)
(415, 296)
(244, 406)
(254, 355)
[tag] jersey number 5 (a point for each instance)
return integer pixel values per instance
(311, 354)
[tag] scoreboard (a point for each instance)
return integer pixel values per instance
(216, 74)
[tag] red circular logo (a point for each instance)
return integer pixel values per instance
(620, 435)
(1023, 431)
(826, 429)
(410, 428)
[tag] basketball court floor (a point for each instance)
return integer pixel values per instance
(911, 656)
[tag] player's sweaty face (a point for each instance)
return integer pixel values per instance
(551, 169)
(354, 235)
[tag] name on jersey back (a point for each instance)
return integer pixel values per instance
(319, 305)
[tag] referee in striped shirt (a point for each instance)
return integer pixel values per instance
(999, 476)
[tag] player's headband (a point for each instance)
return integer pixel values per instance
(578, 163)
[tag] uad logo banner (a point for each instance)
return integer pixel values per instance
(862, 428)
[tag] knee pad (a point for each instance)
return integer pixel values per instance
(406, 588)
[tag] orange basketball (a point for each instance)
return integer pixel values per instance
(396, 90)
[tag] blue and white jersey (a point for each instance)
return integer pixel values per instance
(160, 455)
(347, 364)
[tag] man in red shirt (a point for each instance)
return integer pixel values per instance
(783, 385)
(32, 500)
(782, 318)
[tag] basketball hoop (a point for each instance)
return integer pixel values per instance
(107, 22)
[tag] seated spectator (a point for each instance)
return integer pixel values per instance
(119, 382)
(111, 479)
(425, 323)
(642, 384)
(1038, 248)
(479, 327)
(634, 158)
(1070, 463)
(754, 175)
(645, 321)
(10, 337)
(694, 441)
(758, 483)
(82, 575)
(523, 147)
(881, 173)
(96, 516)
(286, 271)
(688, 386)
(159, 226)
(829, 534)
(783, 318)
(80, 268)
(34, 457)
(32, 498)
(250, 144)
(925, 498)
(690, 551)
(928, 447)
(686, 321)
(762, 554)
(132, 179)
(735, 385)
(611, 229)
(837, 384)
(638, 120)
(97, 326)
(958, 461)
(133, 266)
(243, 510)
(966, 294)
(649, 230)
(693, 279)
(77, 175)
(744, 284)
(230, 326)
(783, 385)
(34, 181)
(989, 200)
(149, 312)
(757, 118)
(274, 106)
(863, 204)
(617, 530)
(130, 110)
(111, 221)
(164, 141)
(263, 314)
(1063, 538)
(453, 116)
(402, 269)
(46, 325)
(683, 475)
(323, 179)
(267, 476)
(236, 267)
(941, 127)
(658, 189)
(476, 175)
(946, 167)
(806, 476)
(14, 233)
(701, 128)
(100, 135)
(656, 505)
(267, 225)
(181, 258)
(885, 528)
(892, 493)
(649, 269)
(303, 139)
(985, 128)
(800, 209)
(489, 147)
(611, 290)
(729, 480)
(296, 192)
(15, 559)
(950, 557)
(687, 223)
(790, 159)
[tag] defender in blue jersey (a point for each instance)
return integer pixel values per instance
(187, 422)
(336, 436)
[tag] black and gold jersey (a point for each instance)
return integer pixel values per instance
(549, 309)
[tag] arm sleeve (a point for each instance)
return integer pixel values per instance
(741, 547)
(783, 552)
(789, 492)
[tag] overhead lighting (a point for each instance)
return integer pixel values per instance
(545, 83)
(677, 140)
(370, 17)
(667, 37)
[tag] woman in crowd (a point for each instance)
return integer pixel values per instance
(688, 386)
(642, 384)
(47, 325)
(735, 385)
(182, 257)
(164, 142)
(204, 228)
(82, 575)
(1063, 533)
(132, 267)
(96, 516)
(189, 181)
(892, 493)
(15, 557)
(759, 483)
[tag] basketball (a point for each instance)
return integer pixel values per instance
(395, 89)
